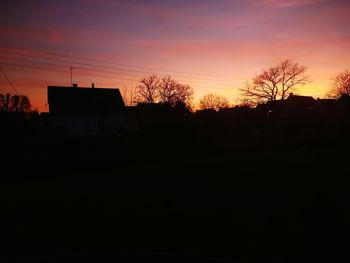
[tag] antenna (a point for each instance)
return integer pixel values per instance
(71, 76)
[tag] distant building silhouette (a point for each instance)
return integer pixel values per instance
(86, 111)
(298, 102)
(291, 104)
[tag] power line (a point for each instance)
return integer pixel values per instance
(66, 72)
(114, 63)
(71, 62)
(96, 70)
(55, 64)
(62, 71)
(9, 81)
(113, 68)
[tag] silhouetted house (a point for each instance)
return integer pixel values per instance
(326, 102)
(344, 102)
(326, 106)
(86, 111)
(294, 104)
(294, 113)
(299, 103)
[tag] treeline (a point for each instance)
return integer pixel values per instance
(14, 103)
(297, 117)
(164, 116)
(274, 83)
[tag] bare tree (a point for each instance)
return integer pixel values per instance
(148, 90)
(341, 85)
(276, 82)
(173, 92)
(213, 101)
(128, 94)
(124, 93)
(14, 103)
(132, 93)
(165, 90)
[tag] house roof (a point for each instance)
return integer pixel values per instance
(297, 102)
(300, 99)
(74, 100)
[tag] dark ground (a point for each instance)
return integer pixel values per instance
(185, 201)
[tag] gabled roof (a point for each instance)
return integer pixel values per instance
(74, 100)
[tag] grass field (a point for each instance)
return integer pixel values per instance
(274, 204)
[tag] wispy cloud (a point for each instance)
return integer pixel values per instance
(289, 3)
(236, 38)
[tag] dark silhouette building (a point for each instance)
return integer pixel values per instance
(298, 102)
(86, 111)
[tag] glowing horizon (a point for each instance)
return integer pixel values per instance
(233, 40)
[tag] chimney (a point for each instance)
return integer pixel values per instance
(75, 85)
(92, 85)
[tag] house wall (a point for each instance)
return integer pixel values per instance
(87, 125)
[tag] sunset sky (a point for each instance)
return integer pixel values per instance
(213, 45)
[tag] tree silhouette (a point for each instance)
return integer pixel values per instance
(275, 82)
(341, 85)
(148, 90)
(165, 90)
(14, 103)
(173, 92)
(213, 101)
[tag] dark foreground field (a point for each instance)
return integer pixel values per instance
(164, 204)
